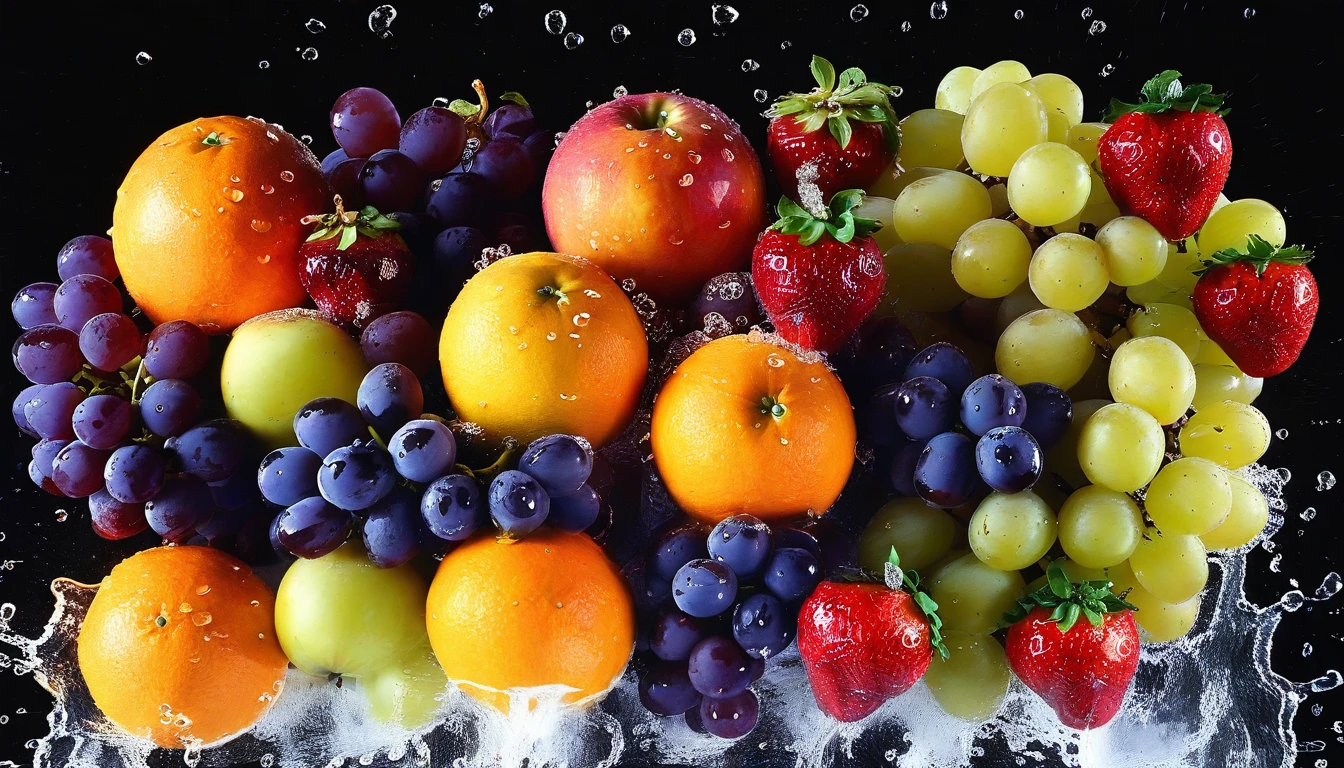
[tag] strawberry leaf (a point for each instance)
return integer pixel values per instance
(840, 129)
(1165, 93)
(1068, 600)
(824, 73)
(348, 235)
(896, 578)
(839, 220)
(1259, 253)
(348, 225)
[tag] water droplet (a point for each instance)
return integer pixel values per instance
(263, 64)
(905, 26)
(774, 361)
(62, 515)
(286, 176)
(204, 589)
(1248, 13)
(727, 154)
(573, 40)
(938, 10)
(184, 608)
(485, 10)
(1097, 27)
(750, 65)
(315, 26)
(1309, 514)
(787, 44)
(1291, 601)
(1018, 14)
(306, 139)
(143, 58)
(620, 33)
(1306, 649)
(267, 189)
(694, 157)
(760, 95)
(1107, 70)
(234, 194)
(723, 14)
(620, 92)
(1087, 12)
(1282, 434)
(1330, 586)
(582, 319)
(309, 54)
(555, 21)
(380, 20)
(686, 37)
(1325, 481)
(264, 258)
(858, 12)
(202, 618)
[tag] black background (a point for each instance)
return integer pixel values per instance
(78, 109)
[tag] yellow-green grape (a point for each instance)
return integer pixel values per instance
(1216, 383)
(1154, 374)
(921, 535)
(1047, 345)
(1219, 204)
(1228, 433)
(1099, 210)
(1083, 139)
(1245, 520)
(1006, 71)
(1062, 457)
(1059, 93)
(1156, 292)
(1068, 272)
(1183, 259)
(1212, 354)
(1001, 124)
(1098, 527)
(1173, 567)
(1135, 251)
(919, 279)
(998, 200)
(971, 595)
(1121, 447)
(939, 208)
(893, 182)
(1093, 384)
(1158, 622)
(1169, 321)
(882, 209)
(1048, 184)
(954, 91)
(1234, 223)
(1189, 495)
(1010, 531)
(971, 683)
(1016, 304)
(991, 258)
(932, 138)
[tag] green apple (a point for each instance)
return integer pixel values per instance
(408, 693)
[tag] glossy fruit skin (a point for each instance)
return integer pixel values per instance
(1261, 322)
(861, 644)
(355, 285)
(856, 166)
(1167, 168)
(1083, 674)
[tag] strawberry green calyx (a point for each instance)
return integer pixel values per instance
(836, 101)
(348, 225)
(896, 577)
(1166, 93)
(1069, 600)
(837, 219)
(1259, 253)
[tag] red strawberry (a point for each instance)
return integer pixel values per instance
(1259, 305)
(859, 144)
(864, 642)
(1166, 158)
(355, 265)
(818, 279)
(1081, 669)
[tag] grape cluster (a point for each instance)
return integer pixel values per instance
(734, 604)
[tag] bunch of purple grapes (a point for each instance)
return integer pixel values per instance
(734, 604)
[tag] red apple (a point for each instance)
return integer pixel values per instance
(658, 187)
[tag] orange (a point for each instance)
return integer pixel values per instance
(206, 226)
(540, 343)
(546, 610)
(179, 646)
(746, 426)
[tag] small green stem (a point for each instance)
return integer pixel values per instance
(772, 407)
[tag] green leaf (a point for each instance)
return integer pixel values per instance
(824, 73)
(795, 225)
(1058, 580)
(1164, 92)
(1071, 614)
(1093, 617)
(871, 113)
(786, 107)
(813, 121)
(815, 229)
(212, 140)
(515, 97)
(841, 129)
(348, 235)
(319, 234)
(786, 208)
(894, 558)
(463, 107)
(851, 78)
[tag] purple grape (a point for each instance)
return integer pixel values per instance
(1049, 412)
(540, 146)
(992, 401)
(797, 538)
(180, 508)
(81, 297)
(32, 305)
(575, 511)
(313, 527)
(1009, 459)
(115, 520)
(212, 451)
(455, 251)
(416, 229)
(49, 409)
(134, 474)
(674, 633)
(344, 182)
(727, 304)
(273, 536)
(288, 475)
(515, 230)
(333, 159)
(78, 469)
(109, 341)
(719, 668)
(102, 421)
(694, 721)
(945, 474)
(518, 503)
(423, 449)
(730, 718)
(355, 477)
(364, 121)
(46, 354)
(704, 588)
(400, 337)
(239, 492)
(25, 397)
(434, 138)
(39, 469)
(506, 165)
(459, 199)
(944, 362)
(675, 549)
(886, 348)
(328, 423)
(878, 422)
(451, 507)
(792, 574)
(389, 396)
(902, 472)
(392, 529)
(510, 120)
(561, 463)
(220, 530)
(176, 350)
(87, 255)
(169, 406)
(763, 627)
(665, 689)
(924, 407)
(390, 181)
(741, 542)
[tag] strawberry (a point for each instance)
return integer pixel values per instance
(355, 265)
(865, 642)
(1081, 669)
(1258, 305)
(819, 278)
(1166, 158)
(859, 144)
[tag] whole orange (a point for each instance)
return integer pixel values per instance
(540, 343)
(179, 646)
(546, 610)
(206, 226)
(745, 426)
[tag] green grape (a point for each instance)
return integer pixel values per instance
(921, 535)
(998, 201)
(939, 208)
(1048, 184)
(1098, 527)
(893, 182)
(954, 90)
(1010, 531)
(931, 138)
(1233, 224)
(1083, 139)
(1062, 457)
(1098, 211)
(1174, 323)
(1154, 374)
(1183, 259)
(1068, 272)
(1121, 447)
(1245, 520)
(1046, 345)
(1158, 622)
(1173, 567)
(991, 258)
(1189, 495)
(1059, 94)
(1001, 124)
(1156, 292)
(1135, 251)
(1216, 383)
(1017, 303)
(1212, 354)
(881, 209)
(919, 279)
(972, 596)
(1228, 433)
(1007, 71)
(972, 682)
(1093, 383)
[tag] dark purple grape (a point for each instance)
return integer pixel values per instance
(902, 470)
(238, 492)
(87, 255)
(797, 538)
(540, 146)
(945, 474)
(26, 396)
(39, 469)
(718, 667)
(1049, 412)
(220, 530)
(452, 507)
(741, 542)
(46, 354)
(694, 721)
(169, 406)
(81, 297)
(1009, 459)
(517, 232)
(561, 463)
(389, 396)
(878, 424)
(945, 363)
(674, 633)
(675, 549)
(176, 350)
(792, 574)
(726, 304)
(992, 401)
(212, 451)
(49, 410)
(115, 520)
(423, 449)
(506, 165)
(392, 529)
(32, 305)
(313, 527)
(288, 475)
(102, 421)
(763, 627)
(273, 536)
(575, 511)
(455, 252)
(434, 138)
(109, 341)
(459, 199)
(416, 229)
(364, 121)
(328, 423)
(400, 337)
(78, 469)
(510, 120)
(924, 407)
(886, 348)
(704, 588)
(344, 182)
(518, 503)
(333, 159)
(390, 181)
(356, 477)
(180, 508)
(665, 689)
(134, 474)
(730, 718)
